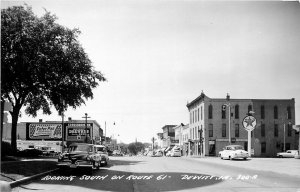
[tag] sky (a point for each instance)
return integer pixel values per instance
(157, 55)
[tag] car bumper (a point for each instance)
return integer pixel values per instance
(238, 156)
(76, 164)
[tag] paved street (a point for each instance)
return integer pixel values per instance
(176, 174)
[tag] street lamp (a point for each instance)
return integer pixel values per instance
(229, 115)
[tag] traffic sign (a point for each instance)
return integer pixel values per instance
(249, 123)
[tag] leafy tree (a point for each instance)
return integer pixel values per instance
(43, 64)
(136, 147)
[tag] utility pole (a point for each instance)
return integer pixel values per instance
(86, 117)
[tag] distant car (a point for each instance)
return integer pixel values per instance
(82, 155)
(150, 154)
(101, 149)
(175, 153)
(234, 152)
(158, 154)
(288, 154)
(168, 154)
(117, 153)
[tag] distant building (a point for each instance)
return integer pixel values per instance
(159, 141)
(210, 117)
(169, 136)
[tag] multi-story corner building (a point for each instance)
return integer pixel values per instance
(169, 136)
(211, 120)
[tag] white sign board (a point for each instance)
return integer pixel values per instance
(249, 123)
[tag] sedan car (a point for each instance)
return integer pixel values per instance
(175, 153)
(82, 155)
(101, 149)
(288, 153)
(234, 152)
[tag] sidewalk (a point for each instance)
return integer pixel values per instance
(18, 171)
(289, 166)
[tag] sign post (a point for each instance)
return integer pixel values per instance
(249, 123)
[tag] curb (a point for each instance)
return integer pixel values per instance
(8, 186)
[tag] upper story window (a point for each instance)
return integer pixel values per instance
(263, 130)
(198, 115)
(289, 132)
(210, 130)
(201, 111)
(210, 111)
(237, 130)
(289, 112)
(223, 110)
(249, 108)
(223, 130)
(237, 111)
(276, 130)
(262, 112)
(275, 112)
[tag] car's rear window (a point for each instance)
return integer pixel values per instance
(80, 148)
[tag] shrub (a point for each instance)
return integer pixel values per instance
(6, 149)
(30, 153)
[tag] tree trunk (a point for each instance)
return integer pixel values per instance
(14, 124)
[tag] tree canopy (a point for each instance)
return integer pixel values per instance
(136, 147)
(43, 64)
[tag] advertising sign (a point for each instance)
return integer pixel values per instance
(43, 131)
(78, 131)
(249, 123)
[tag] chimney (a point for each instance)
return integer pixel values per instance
(40, 120)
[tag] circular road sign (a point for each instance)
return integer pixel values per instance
(249, 123)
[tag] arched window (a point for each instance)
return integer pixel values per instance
(289, 112)
(237, 111)
(275, 112)
(262, 112)
(210, 111)
(249, 108)
(223, 111)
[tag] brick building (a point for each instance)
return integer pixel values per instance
(209, 117)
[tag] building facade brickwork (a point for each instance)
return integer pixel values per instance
(209, 119)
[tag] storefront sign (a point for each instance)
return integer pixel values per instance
(43, 131)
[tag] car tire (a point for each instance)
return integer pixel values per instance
(245, 158)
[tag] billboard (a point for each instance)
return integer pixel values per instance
(78, 131)
(43, 131)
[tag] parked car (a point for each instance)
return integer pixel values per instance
(47, 151)
(234, 152)
(101, 149)
(82, 155)
(175, 153)
(288, 153)
(158, 154)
